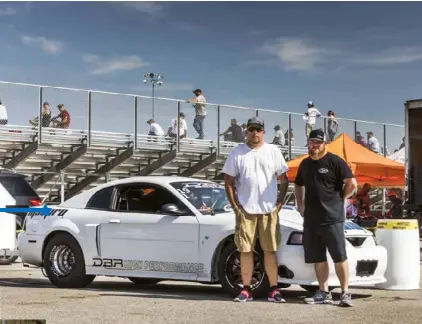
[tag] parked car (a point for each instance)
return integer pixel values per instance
(155, 228)
(15, 192)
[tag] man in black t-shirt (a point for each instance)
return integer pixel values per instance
(328, 182)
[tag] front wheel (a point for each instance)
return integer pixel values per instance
(231, 277)
(64, 262)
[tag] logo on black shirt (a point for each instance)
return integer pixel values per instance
(323, 170)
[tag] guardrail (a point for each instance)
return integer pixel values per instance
(99, 116)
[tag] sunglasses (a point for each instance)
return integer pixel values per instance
(253, 129)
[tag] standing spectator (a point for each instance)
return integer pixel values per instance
(62, 120)
(326, 181)
(183, 127)
(251, 172)
(310, 117)
(373, 143)
(234, 133)
(363, 199)
(278, 136)
(200, 112)
(332, 126)
(3, 114)
(45, 117)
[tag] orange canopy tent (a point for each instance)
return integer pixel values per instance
(367, 166)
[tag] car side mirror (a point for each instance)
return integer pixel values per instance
(172, 209)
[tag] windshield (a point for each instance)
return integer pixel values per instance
(207, 197)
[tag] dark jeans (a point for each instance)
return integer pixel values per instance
(331, 135)
(198, 124)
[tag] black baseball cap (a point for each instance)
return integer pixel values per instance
(256, 121)
(318, 135)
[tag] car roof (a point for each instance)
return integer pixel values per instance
(80, 200)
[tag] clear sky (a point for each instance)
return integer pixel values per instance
(362, 60)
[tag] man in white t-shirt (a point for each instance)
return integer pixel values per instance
(200, 112)
(373, 143)
(3, 115)
(251, 172)
(183, 127)
(154, 128)
(310, 117)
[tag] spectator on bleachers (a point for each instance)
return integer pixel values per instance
(45, 117)
(200, 112)
(373, 143)
(234, 133)
(62, 120)
(292, 137)
(3, 114)
(154, 128)
(278, 136)
(183, 127)
(359, 139)
(332, 126)
(310, 117)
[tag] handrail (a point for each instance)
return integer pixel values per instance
(185, 101)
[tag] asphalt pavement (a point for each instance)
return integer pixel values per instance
(27, 294)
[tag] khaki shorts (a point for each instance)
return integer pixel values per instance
(264, 227)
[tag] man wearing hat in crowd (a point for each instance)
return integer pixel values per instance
(183, 127)
(310, 117)
(278, 136)
(154, 128)
(200, 112)
(251, 172)
(373, 143)
(326, 181)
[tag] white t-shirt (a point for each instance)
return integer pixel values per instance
(312, 113)
(156, 129)
(256, 174)
(373, 144)
(200, 107)
(279, 134)
(182, 125)
(3, 112)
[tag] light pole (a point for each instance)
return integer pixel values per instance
(154, 78)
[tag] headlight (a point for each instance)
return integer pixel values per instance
(295, 238)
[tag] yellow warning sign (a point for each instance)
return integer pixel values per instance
(397, 225)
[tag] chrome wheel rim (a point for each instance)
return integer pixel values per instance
(62, 260)
(233, 273)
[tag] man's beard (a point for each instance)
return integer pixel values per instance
(317, 155)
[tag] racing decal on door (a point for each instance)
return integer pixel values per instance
(53, 212)
(160, 266)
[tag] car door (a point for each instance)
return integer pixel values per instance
(136, 232)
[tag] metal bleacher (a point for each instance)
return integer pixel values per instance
(60, 163)
(67, 156)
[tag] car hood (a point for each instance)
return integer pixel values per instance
(290, 217)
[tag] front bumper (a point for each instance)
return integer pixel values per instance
(304, 274)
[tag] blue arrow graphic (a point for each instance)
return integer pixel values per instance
(45, 210)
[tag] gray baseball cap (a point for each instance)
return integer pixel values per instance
(256, 121)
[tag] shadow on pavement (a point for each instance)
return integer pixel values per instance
(163, 290)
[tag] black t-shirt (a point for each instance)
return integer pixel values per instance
(323, 182)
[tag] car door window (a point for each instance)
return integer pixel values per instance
(145, 199)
